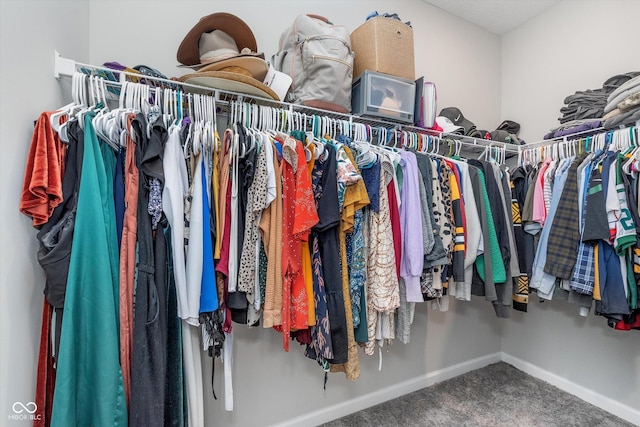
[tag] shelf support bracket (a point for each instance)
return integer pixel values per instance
(63, 66)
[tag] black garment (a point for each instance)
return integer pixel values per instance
(504, 291)
(148, 364)
(326, 231)
(524, 241)
(237, 301)
(151, 160)
(457, 261)
(175, 411)
(56, 236)
(631, 191)
(438, 255)
(596, 224)
(118, 194)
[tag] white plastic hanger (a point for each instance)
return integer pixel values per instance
(68, 110)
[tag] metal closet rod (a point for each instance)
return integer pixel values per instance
(66, 67)
(578, 136)
(572, 136)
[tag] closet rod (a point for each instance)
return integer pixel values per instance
(576, 135)
(67, 67)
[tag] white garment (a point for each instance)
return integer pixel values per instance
(173, 194)
(195, 248)
(227, 356)
(267, 146)
(474, 240)
(192, 362)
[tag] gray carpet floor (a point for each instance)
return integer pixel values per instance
(496, 395)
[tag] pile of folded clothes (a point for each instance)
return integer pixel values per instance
(590, 104)
(616, 104)
(623, 105)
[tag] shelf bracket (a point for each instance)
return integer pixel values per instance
(63, 66)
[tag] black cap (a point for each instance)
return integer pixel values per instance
(455, 115)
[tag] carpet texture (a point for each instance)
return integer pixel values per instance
(496, 395)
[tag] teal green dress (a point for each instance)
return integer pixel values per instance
(89, 390)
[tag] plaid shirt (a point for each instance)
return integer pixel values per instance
(584, 271)
(564, 235)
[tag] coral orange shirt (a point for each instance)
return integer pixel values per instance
(299, 215)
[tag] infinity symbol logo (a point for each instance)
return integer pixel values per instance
(19, 407)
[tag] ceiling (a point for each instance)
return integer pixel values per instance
(497, 16)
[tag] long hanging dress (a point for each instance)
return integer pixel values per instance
(148, 363)
(89, 387)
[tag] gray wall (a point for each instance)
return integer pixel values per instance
(29, 33)
(575, 45)
(463, 59)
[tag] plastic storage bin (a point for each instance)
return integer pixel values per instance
(381, 95)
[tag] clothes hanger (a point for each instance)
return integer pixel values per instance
(69, 110)
(424, 140)
(196, 128)
(344, 128)
(408, 139)
(484, 155)
(631, 165)
(417, 141)
(364, 156)
(450, 144)
(206, 140)
(262, 121)
(91, 100)
(429, 147)
(105, 121)
(323, 128)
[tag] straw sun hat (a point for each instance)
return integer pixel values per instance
(222, 49)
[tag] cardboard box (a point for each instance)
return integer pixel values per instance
(384, 45)
(385, 96)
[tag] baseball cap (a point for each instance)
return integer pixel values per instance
(448, 126)
(457, 118)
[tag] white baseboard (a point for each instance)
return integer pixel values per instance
(601, 401)
(345, 408)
